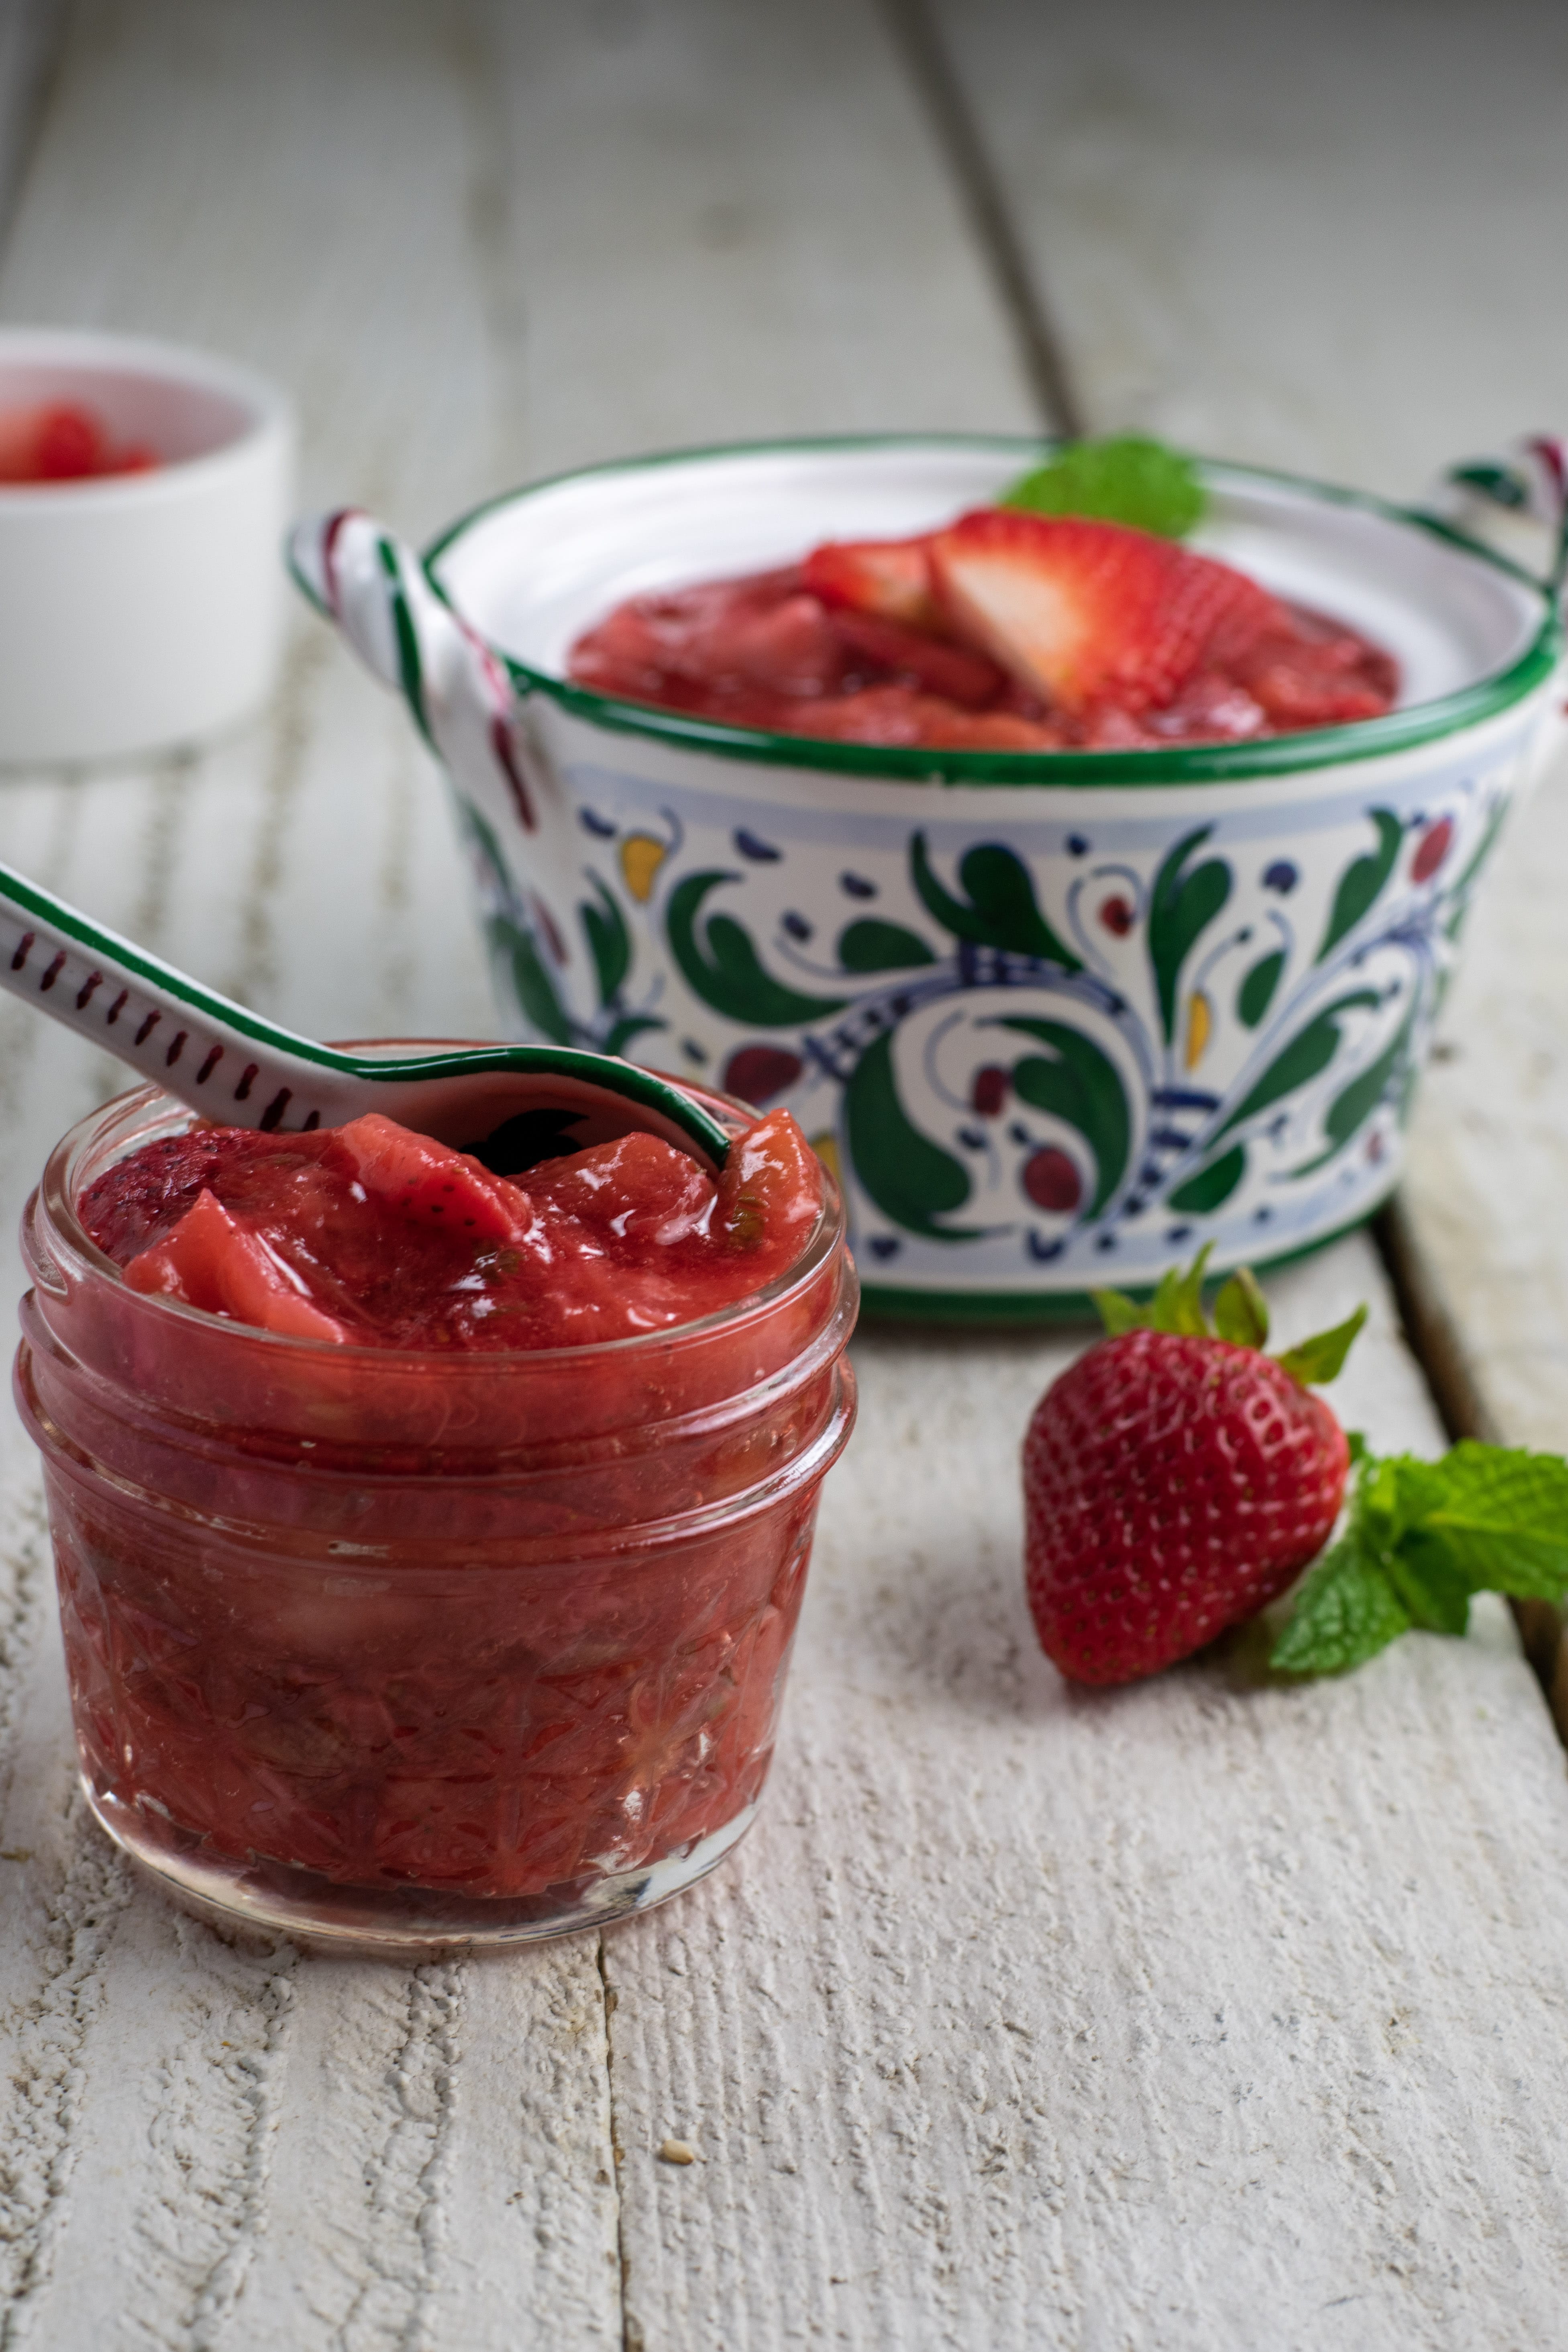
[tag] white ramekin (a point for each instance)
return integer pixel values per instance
(140, 611)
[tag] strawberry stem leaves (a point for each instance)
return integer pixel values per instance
(1178, 1303)
(1422, 1539)
(1240, 1315)
(1118, 1312)
(1241, 1311)
(1321, 1359)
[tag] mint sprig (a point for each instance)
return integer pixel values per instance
(1421, 1539)
(1126, 478)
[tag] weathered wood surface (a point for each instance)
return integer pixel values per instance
(1023, 2017)
(1334, 243)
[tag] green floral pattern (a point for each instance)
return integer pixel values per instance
(1024, 1064)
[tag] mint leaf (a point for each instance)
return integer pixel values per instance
(1500, 1515)
(1126, 478)
(1345, 1612)
(1118, 1312)
(1424, 1537)
(1322, 1358)
(1431, 1582)
(1241, 1311)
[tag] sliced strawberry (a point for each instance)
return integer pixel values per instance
(1089, 612)
(55, 442)
(71, 443)
(934, 664)
(1210, 708)
(671, 1198)
(1311, 672)
(431, 1182)
(770, 1194)
(1296, 693)
(213, 1262)
(789, 647)
(897, 717)
(888, 576)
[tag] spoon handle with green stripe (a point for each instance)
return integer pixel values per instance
(240, 1070)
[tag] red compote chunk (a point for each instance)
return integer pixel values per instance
(453, 1604)
(1006, 631)
(371, 1234)
(61, 441)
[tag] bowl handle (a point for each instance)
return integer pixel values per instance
(371, 583)
(1516, 505)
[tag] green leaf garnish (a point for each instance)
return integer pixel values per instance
(1126, 479)
(1345, 1612)
(1421, 1540)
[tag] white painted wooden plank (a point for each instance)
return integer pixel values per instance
(215, 2145)
(1488, 1168)
(1321, 241)
(29, 34)
(1331, 242)
(240, 2146)
(232, 863)
(1195, 2015)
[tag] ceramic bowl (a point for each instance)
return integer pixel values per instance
(142, 610)
(1057, 1018)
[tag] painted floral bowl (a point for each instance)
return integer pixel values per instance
(1057, 1018)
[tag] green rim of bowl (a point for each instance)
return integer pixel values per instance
(1322, 747)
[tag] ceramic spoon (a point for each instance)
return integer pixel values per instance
(517, 1103)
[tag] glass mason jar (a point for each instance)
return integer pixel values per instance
(404, 1649)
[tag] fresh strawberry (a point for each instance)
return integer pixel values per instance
(1176, 1481)
(1087, 612)
(891, 577)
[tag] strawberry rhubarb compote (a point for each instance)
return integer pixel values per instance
(430, 1542)
(1006, 632)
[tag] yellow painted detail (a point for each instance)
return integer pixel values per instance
(825, 1147)
(1200, 1021)
(641, 857)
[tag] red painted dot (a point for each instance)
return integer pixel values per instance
(760, 1074)
(1119, 915)
(988, 1094)
(1434, 846)
(1052, 1181)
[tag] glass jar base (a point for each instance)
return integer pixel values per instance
(399, 1922)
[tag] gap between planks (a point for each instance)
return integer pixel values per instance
(919, 42)
(1433, 1338)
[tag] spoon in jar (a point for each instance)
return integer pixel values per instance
(510, 1105)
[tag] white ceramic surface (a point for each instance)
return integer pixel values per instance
(140, 611)
(1057, 1018)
